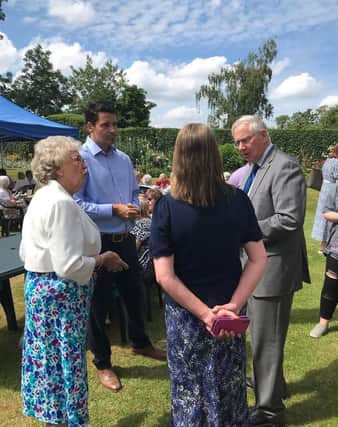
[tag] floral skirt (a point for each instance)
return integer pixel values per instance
(54, 372)
(208, 384)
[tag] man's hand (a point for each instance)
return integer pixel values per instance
(128, 212)
(111, 261)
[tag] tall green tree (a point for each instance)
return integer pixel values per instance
(2, 13)
(39, 87)
(5, 82)
(133, 108)
(241, 88)
(89, 83)
(328, 117)
(109, 84)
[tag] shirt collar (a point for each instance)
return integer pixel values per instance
(261, 160)
(96, 149)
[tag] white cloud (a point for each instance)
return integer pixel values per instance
(75, 13)
(302, 85)
(8, 54)
(330, 101)
(177, 117)
(279, 66)
(64, 55)
(169, 81)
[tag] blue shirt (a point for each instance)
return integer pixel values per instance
(110, 179)
(205, 242)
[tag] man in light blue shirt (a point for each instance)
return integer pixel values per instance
(109, 197)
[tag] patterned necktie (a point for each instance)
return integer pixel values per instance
(250, 178)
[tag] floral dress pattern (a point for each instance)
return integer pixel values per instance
(54, 371)
(321, 227)
(208, 387)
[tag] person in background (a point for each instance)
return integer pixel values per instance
(162, 182)
(237, 176)
(60, 249)
(29, 178)
(196, 236)
(321, 226)
(153, 195)
(277, 189)
(138, 176)
(21, 182)
(109, 197)
(329, 294)
(226, 176)
(5, 193)
(141, 231)
(147, 180)
(3, 172)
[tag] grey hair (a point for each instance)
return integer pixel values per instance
(147, 180)
(4, 182)
(49, 155)
(255, 123)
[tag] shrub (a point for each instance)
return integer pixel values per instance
(232, 159)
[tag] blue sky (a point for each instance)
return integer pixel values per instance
(169, 47)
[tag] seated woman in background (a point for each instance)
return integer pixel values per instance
(329, 295)
(20, 182)
(141, 231)
(60, 248)
(196, 236)
(162, 182)
(153, 195)
(5, 193)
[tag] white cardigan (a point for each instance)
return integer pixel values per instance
(58, 236)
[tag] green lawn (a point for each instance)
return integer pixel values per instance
(311, 366)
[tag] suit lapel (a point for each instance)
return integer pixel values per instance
(262, 172)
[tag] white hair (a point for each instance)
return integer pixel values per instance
(49, 154)
(147, 179)
(4, 182)
(255, 123)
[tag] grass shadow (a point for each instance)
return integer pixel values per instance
(320, 386)
(135, 420)
(143, 372)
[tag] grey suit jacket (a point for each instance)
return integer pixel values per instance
(278, 195)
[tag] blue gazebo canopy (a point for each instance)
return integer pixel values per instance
(17, 124)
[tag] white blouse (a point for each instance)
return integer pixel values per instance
(58, 236)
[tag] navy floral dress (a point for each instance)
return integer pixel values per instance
(54, 373)
(207, 375)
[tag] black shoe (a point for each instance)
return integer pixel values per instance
(267, 419)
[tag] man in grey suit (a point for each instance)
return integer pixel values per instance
(277, 189)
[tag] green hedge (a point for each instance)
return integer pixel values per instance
(151, 148)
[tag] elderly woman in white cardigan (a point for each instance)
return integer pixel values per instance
(60, 248)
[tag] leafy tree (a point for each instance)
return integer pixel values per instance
(2, 14)
(328, 117)
(90, 83)
(133, 108)
(39, 87)
(5, 82)
(241, 88)
(109, 84)
(282, 121)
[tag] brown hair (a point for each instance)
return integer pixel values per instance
(144, 208)
(197, 166)
(154, 193)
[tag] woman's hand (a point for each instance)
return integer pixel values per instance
(111, 261)
(229, 309)
(208, 318)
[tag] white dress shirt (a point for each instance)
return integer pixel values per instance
(58, 236)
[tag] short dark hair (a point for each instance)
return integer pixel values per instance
(93, 109)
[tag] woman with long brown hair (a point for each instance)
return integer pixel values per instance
(197, 233)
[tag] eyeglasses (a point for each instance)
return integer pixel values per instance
(78, 159)
(244, 141)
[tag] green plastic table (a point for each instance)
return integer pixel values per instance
(10, 266)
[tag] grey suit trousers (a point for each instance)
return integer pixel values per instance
(268, 328)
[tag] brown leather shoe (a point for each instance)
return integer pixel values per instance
(150, 351)
(109, 379)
